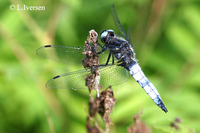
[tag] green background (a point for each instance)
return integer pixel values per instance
(166, 39)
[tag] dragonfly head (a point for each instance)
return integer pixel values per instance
(105, 34)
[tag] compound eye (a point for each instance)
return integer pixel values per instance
(111, 32)
(104, 36)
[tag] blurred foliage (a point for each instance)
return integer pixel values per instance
(166, 39)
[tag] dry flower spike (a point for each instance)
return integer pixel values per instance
(104, 101)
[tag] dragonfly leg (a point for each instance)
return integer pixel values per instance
(101, 51)
(101, 46)
(113, 59)
(108, 58)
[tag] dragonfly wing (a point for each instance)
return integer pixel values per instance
(113, 75)
(119, 26)
(129, 36)
(61, 53)
(117, 22)
(67, 54)
(109, 75)
(73, 80)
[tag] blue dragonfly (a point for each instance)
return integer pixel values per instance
(119, 50)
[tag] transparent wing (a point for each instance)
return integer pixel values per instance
(119, 26)
(117, 22)
(113, 75)
(61, 53)
(67, 54)
(129, 36)
(110, 75)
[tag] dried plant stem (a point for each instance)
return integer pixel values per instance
(104, 101)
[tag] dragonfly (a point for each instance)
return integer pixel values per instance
(113, 72)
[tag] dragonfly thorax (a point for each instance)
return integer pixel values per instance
(105, 34)
(119, 48)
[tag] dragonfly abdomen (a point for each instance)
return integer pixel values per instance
(150, 89)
